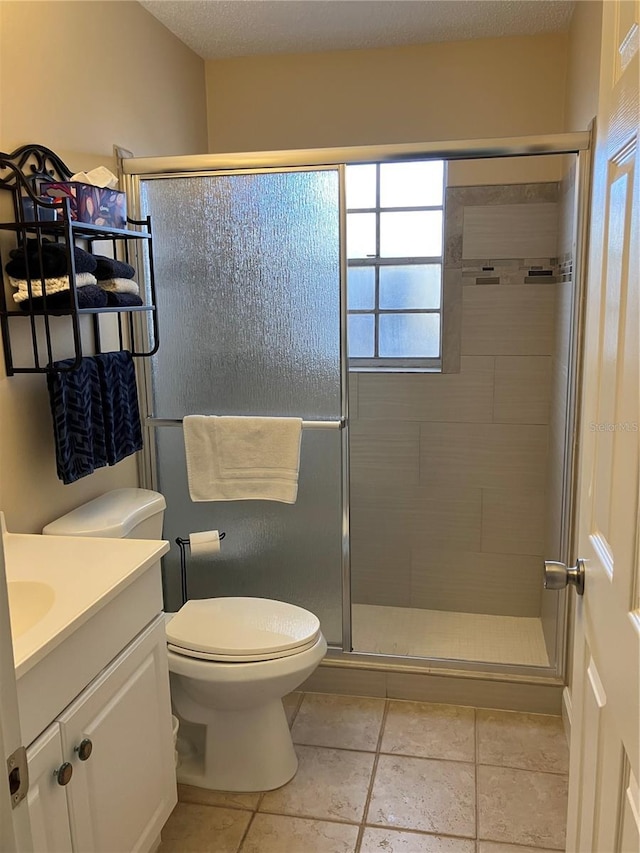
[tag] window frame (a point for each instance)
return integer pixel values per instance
(376, 363)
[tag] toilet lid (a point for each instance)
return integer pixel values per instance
(241, 629)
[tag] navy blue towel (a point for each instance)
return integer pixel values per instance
(114, 297)
(89, 296)
(120, 404)
(25, 261)
(78, 419)
(111, 268)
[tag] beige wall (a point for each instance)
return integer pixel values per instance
(454, 90)
(79, 77)
(583, 67)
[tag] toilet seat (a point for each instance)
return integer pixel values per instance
(236, 630)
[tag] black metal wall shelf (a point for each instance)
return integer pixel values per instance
(22, 174)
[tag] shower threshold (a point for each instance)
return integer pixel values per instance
(414, 632)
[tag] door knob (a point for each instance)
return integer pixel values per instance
(558, 576)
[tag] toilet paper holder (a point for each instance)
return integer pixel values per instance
(183, 544)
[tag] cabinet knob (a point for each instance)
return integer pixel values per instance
(84, 750)
(64, 773)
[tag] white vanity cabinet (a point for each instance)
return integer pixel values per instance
(93, 690)
(119, 797)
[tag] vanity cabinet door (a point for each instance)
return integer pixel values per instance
(122, 792)
(47, 798)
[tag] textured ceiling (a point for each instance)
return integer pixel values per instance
(220, 28)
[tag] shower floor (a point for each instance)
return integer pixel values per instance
(443, 634)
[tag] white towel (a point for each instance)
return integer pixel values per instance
(51, 285)
(119, 285)
(242, 459)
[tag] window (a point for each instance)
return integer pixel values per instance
(394, 254)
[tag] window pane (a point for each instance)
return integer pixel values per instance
(409, 335)
(410, 286)
(410, 234)
(360, 335)
(361, 235)
(411, 184)
(361, 185)
(361, 288)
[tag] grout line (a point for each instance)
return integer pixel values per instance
(523, 769)
(339, 821)
(245, 833)
(374, 770)
(419, 832)
(407, 755)
(476, 809)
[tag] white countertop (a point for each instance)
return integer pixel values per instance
(71, 579)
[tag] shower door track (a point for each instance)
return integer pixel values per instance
(576, 143)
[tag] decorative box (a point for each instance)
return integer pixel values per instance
(96, 205)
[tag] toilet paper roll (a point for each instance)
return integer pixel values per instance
(205, 544)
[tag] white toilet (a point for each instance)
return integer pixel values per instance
(231, 660)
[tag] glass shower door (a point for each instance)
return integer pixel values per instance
(248, 279)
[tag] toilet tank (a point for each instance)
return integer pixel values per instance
(119, 514)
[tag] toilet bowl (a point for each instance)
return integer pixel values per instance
(231, 661)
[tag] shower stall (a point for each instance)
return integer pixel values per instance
(430, 494)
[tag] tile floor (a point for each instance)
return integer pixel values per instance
(390, 776)
(454, 636)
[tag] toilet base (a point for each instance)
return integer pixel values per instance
(245, 750)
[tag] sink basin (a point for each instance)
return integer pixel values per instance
(29, 602)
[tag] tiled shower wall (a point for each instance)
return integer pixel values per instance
(449, 471)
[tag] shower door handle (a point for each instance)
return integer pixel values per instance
(558, 576)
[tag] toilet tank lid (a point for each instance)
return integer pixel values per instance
(112, 515)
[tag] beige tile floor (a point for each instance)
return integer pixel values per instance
(389, 776)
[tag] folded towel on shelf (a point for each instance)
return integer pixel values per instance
(78, 422)
(243, 458)
(51, 285)
(119, 285)
(121, 299)
(111, 268)
(26, 264)
(123, 431)
(89, 296)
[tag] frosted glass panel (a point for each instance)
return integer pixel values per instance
(248, 293)
(361, 289)
(361, 332)
(409, 335)
(248, 279)
(410, 286)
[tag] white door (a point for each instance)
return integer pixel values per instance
(604, 799)
(15, 834)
